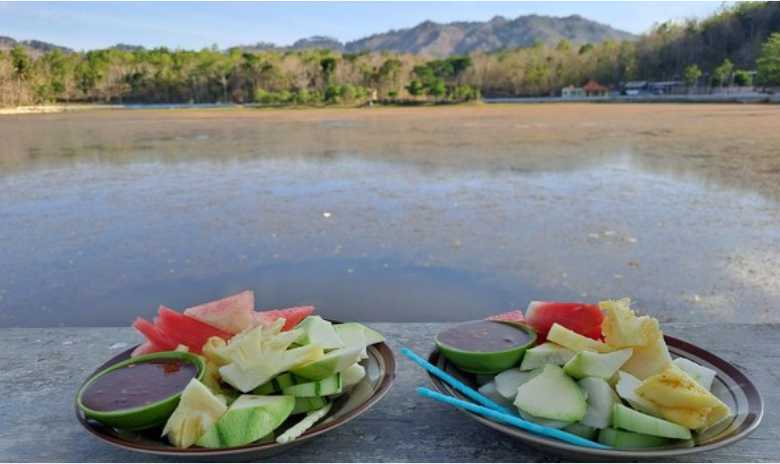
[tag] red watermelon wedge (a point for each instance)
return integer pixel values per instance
(585, 319)
(154, 335)
(292, 316)
(232, 314)
(146, 347)
(186, 330)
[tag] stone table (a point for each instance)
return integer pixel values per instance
(41, 369)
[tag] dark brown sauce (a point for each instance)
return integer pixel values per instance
(137, 385)
(484, 336)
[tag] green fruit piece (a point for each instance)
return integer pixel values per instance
(601, 401)
(196, 413)
(353, 335)
(490, 391)
(248, 419)
(318, 331)
(507, 382)
(333, 362)
(275, 385)
(626, 388)
(329, 386)
(263, 366)
(303, 405)
(546, 353)
(704, 376)
(578, 428)
(353, 375)
(623, 440)
(626, 418)
(305, 424)
(552, 395)
(590, 364)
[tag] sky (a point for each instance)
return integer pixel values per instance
(194, 25)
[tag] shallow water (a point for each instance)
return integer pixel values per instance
(413, 215)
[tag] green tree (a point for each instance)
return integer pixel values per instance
(722, 74)
(21, 62)
(743, 78)
(768, 63)
(328, 66)
(691, 75)
(416, 88)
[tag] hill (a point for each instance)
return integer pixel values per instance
(34, 47)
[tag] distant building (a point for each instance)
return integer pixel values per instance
(667, 87)
(634, 88)
(594, 89)
(572, 92)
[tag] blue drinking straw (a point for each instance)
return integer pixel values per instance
(490, 409)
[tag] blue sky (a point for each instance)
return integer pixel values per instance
(195, 25)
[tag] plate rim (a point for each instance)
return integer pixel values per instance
(644, 454)
(381, 351)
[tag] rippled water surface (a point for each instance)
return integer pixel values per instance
(391, 215)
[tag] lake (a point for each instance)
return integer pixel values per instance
(391, 214)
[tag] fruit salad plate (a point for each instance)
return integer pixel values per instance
(730, 385)
(380, 373)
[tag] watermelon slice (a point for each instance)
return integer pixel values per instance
(146, 347)
(292, 316)
(233, 314)
(154, 335)
(585, 319)
(186, 330)
(511, 316)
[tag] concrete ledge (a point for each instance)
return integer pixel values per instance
(41, 369)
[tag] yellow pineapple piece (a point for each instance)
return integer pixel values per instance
(649, 359)
(197, 411)
(214, 351)
(622, 328)
(680, 399)
(574, 341)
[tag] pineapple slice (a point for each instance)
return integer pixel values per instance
(650, 359)
(574, 341)
(214, 351)
(680, 399)
(622, 328)
(197, 411)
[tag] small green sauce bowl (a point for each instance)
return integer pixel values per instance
(488, 362)
(147, 416)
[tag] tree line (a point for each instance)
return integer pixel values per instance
(719, 50)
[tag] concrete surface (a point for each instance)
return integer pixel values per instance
(41, 369)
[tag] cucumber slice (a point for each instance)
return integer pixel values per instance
(626, 418)
(333, 362)
(248, 419)
(353, 375)
(546, 353)
(704, 376)
(541, 421)
(507, 382)
(318, 331)
(552, 395)
(275, 385)
(372, 336)
(330, 386)
(601, 401)
(303, 405)
(489, 390)
(622, 439)
(578, 428)
(626, 388)
(353, 335)
(305, 424)
(603, 365)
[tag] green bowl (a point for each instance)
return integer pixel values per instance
(142, 417)
(488, 362)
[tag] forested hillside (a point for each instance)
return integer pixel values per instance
(715, 51)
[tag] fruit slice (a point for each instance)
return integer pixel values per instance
(511, 316)
(682, 400)
(626, 418)
(353, 375)
(154, 335)
(546, 353)
(317, 331)
(330, 386)
(303, 405)
(275, 385)
(626, 388)
(291, 316)
(146, 347)
(489, 390)
(305, 424)
(702, 375)
(574, 341)
(372, 336)
(508, 381)
(555, 424)
(625, 440)
(249, 374)
(196, 413)
(602, 365)
(552, 395)
(248, 419)
(622, 328)
(232, 314)
(333, 362)
(584, 319)
(649, 359)
(601, 400)
(352, 335)
(186, 330)
(578, 428)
